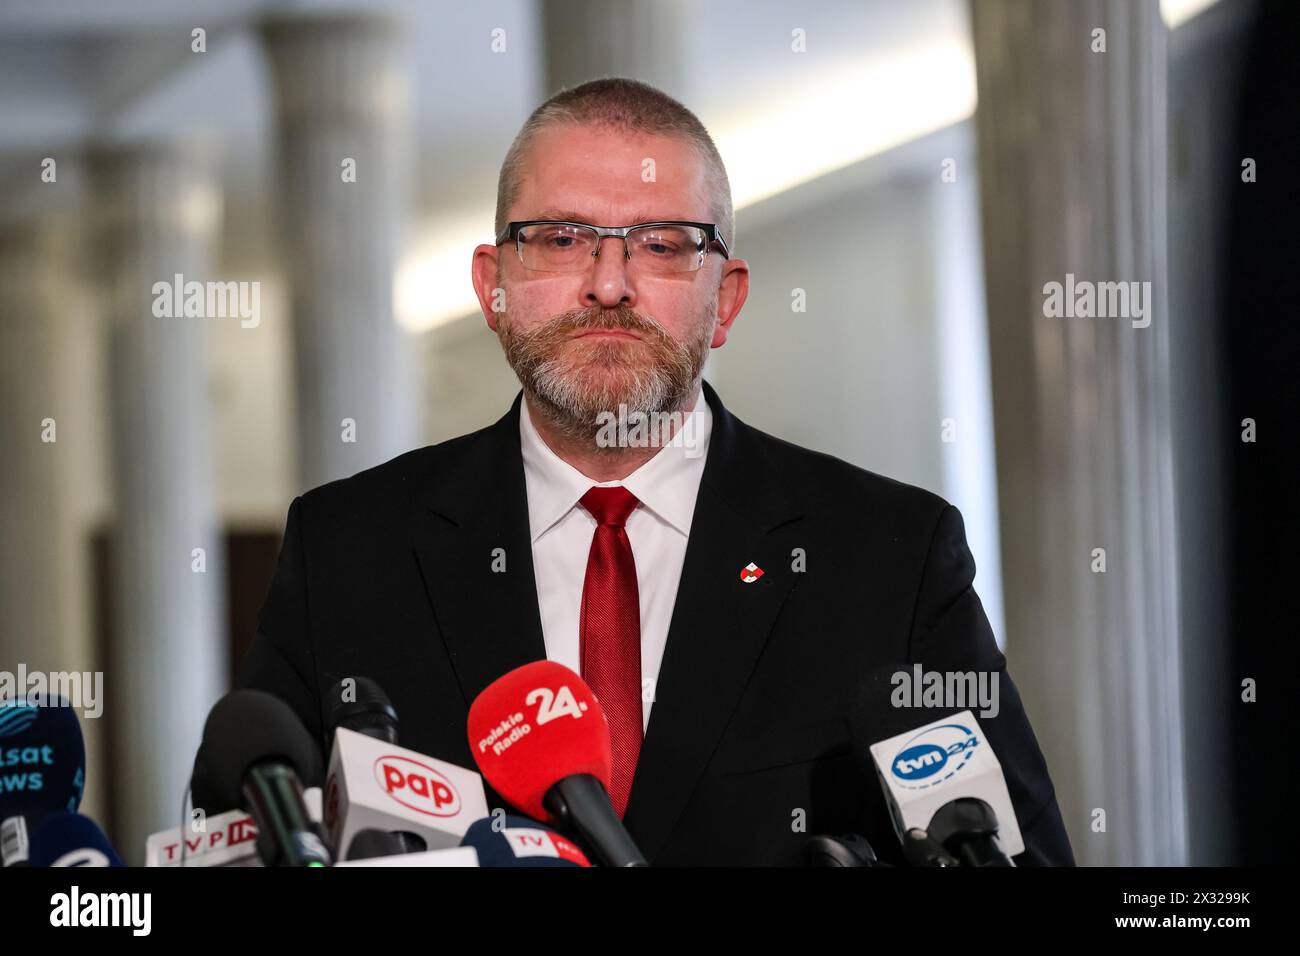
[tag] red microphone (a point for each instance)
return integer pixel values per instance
(540, 738)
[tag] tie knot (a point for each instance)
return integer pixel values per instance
(609, 505)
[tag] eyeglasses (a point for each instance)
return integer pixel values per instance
(661, 248)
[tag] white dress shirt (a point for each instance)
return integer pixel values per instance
(658, 529)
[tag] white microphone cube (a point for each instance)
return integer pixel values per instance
(922, 769)
(376, 785)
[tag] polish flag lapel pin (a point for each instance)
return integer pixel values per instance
(750, 573)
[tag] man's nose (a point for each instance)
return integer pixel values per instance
(609, 282)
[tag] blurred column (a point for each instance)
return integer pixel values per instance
(342, 116)
(637, 38)
(155, 215)
(50, 482)
(38, 601)
(1073, 178)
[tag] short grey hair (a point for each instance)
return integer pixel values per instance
(623, 104)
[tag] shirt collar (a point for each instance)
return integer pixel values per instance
(666, 484)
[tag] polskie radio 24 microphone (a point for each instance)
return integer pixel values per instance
(42, 769)
(925, 764)
(373, 784)
(512, 840)
(359, 704)
(541, 740)
(70, 839)
(256, 753)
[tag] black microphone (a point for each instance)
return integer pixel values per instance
(370, 843)
(364, 708)
(848, 850)
(255, 754)
(922, 850)
(967, 828)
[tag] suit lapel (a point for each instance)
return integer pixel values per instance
(719, 623)
(488, 617)
(490, 622)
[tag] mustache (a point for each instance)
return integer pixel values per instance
(619, 319)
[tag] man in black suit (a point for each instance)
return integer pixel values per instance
(724, 592)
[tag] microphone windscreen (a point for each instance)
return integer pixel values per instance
(360, 706)
(532, 728)
(245, 728)
(69, 839)
(42, 758)
(518, 841)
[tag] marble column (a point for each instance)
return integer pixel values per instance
(154, 214)
(1073, 163)
(341, 104)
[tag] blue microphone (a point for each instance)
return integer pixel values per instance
(520, 841)
(42, 770)
(70, 839)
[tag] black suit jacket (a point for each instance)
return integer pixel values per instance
(388, 574)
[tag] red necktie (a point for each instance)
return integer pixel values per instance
(609, 632)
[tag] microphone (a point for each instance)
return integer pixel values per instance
(42, 769)
(454, 856)
(925, 758)
(376, 785)
(848, 850)
(922, 850)
(519, 841)
(227, 839)
(370, 844)
(541, 740)
(967, 828)
(70, 839)
(257, 755)
(365, 708)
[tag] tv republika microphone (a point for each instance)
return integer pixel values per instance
(541, 740)
(227, 839)
(42, 770)
(511, 840)
(257, 754)
(925, 757)
(70, 839)
(359, 704)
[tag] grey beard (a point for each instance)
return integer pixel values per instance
(574, 407)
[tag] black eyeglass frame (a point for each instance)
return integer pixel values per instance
(711, 231)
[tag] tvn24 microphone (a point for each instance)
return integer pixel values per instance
(256, 754)
(42, 770)
(541, 740)
(926, 758)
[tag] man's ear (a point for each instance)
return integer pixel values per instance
(733, 289)
(483, 273)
